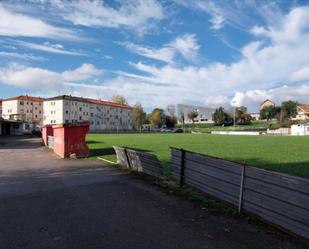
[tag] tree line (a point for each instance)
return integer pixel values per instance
(159, 118)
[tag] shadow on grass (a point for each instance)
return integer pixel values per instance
(109, 151)
(102, 151)
(94, 142)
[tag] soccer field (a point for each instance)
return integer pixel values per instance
(279, 153)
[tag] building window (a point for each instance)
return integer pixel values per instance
(80, 117)
(21, 102)
(91, 114)
(66, 112)
(36, 116)
(66, 121)
(98, 122)
(80, 109)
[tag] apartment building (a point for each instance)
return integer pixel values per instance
(23, 108)
(102, 115)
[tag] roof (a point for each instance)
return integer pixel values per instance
(305, 108)
(88, 100)
(26, 97)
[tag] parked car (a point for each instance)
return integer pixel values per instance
(165, 130)
(178, 130)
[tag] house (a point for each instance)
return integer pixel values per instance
(266, 103)
(102, 115)
(255, 115)
(302, 112)
(23, 108)
(300, 130)
(204, 114)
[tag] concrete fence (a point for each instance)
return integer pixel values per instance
(139, 161)
(279, 199)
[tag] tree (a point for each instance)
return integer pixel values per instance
(119, 99)
(269, 112)
(157, 118)
(138, 116)
(192, 115)
(290, 108)
(220, 117)
(170, 121)
(245, 119)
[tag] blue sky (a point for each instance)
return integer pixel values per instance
(210, 53)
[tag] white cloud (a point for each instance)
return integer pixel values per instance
(217, 101)
(48, 47)
(253, 98)
(15, 24)
(185, 45)
(39, 78)
(300, 75)
(21, 56)
(84, 72)
(165, 54)
(137, 15)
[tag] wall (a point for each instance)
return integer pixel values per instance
(9, 107)
(53, 112)
(277, 198)
(252, 133)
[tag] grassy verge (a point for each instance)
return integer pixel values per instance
(283, 154)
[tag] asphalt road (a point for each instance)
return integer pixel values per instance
(47, 202)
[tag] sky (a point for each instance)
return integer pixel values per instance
(208, 53)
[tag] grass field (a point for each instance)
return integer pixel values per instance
(283, 154)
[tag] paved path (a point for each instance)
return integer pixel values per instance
(47, 202)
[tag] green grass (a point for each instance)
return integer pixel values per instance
(279, 153)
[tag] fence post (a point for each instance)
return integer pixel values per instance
(182, 169)
(127, 157)
(241, 187)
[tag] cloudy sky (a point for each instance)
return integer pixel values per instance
(157, 53)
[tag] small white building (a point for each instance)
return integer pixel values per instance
(300, 130)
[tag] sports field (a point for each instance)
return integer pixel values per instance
(279, 153)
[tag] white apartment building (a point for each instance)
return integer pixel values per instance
(102, 115)
(23, 108)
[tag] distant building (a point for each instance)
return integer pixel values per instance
(102, 115)
(204, 114)
(23, 108)
(302, 112)
(0, 108)
(266, 103)
(255, 115)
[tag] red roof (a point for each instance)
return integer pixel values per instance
(26, 97)
(87, 100)
(305, 108)
(108, 103)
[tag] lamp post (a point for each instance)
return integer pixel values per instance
(234, 102)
